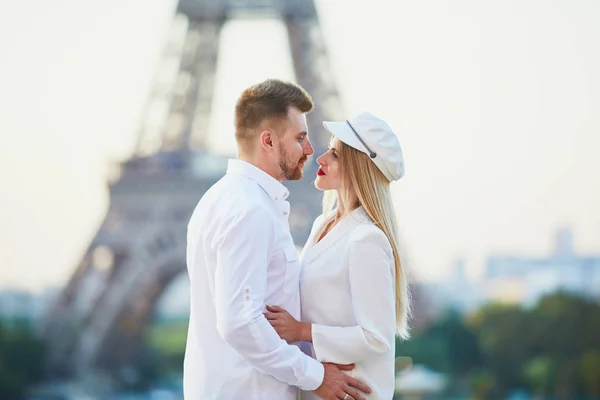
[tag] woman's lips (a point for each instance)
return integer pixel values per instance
(320, 172)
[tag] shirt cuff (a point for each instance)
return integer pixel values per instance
(315, 373)
(323, 350)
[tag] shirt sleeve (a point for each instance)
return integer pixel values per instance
(371, 266)
(243, 254)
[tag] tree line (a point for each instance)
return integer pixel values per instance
(551, 351)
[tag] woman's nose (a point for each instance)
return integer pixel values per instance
(320, 159)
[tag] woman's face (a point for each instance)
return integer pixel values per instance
(328, 174)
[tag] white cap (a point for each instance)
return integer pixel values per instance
(373, 136)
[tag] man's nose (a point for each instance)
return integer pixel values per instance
(308, 150)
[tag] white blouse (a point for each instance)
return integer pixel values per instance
(347, 292)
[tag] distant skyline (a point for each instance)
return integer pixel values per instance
(495, 103)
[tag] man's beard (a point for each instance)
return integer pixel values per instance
(291, 171)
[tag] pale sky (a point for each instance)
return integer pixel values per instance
(496, 104)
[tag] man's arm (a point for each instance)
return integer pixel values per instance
(242, 248)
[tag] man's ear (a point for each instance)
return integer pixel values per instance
(266, 140)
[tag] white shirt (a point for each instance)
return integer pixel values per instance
(241, 257)
(347, 292)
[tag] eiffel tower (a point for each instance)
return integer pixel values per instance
(98, 320)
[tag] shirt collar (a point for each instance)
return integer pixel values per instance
(275, 189)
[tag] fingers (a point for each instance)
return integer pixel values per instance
(275, 309)
(353, 394)
(358, 385)
(270, 316)
(345, 367)
(274, 319)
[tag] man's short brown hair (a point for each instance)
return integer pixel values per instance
(269, 100)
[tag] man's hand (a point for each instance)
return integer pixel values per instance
(337, 385)
(286, 326)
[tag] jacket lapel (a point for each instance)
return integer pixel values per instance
(349, 222)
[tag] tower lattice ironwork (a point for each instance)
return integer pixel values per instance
(99, 318)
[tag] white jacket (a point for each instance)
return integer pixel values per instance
(347, 293)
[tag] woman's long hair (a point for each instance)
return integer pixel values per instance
(363, 184)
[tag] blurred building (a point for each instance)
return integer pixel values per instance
(458, 292)
(512, 278)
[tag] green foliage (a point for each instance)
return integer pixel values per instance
(21, 359)
(590, 371)
(167, 338)
(505, 342)
(483, 385)
(552, 350)
(540, 373)
(167, 342)
(161, 359)
(448, 346)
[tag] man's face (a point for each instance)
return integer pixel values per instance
(294, 146)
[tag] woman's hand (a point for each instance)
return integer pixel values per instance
(286, 326)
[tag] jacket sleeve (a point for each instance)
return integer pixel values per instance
(371, 276)
(240, 290)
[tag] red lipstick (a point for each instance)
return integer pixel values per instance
(320, 172)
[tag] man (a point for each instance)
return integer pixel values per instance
(241, 256)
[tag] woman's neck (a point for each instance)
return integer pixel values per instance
(341, 210)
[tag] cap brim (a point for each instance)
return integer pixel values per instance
(343, 132)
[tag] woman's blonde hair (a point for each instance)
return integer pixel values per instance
(363, 184)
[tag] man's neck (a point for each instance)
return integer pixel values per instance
(262, 164)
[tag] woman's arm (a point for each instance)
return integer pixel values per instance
(371, 275)
(287, 327)
(371, 266)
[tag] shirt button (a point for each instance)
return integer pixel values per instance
(285, 213)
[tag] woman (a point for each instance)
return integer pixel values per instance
(353, 288)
